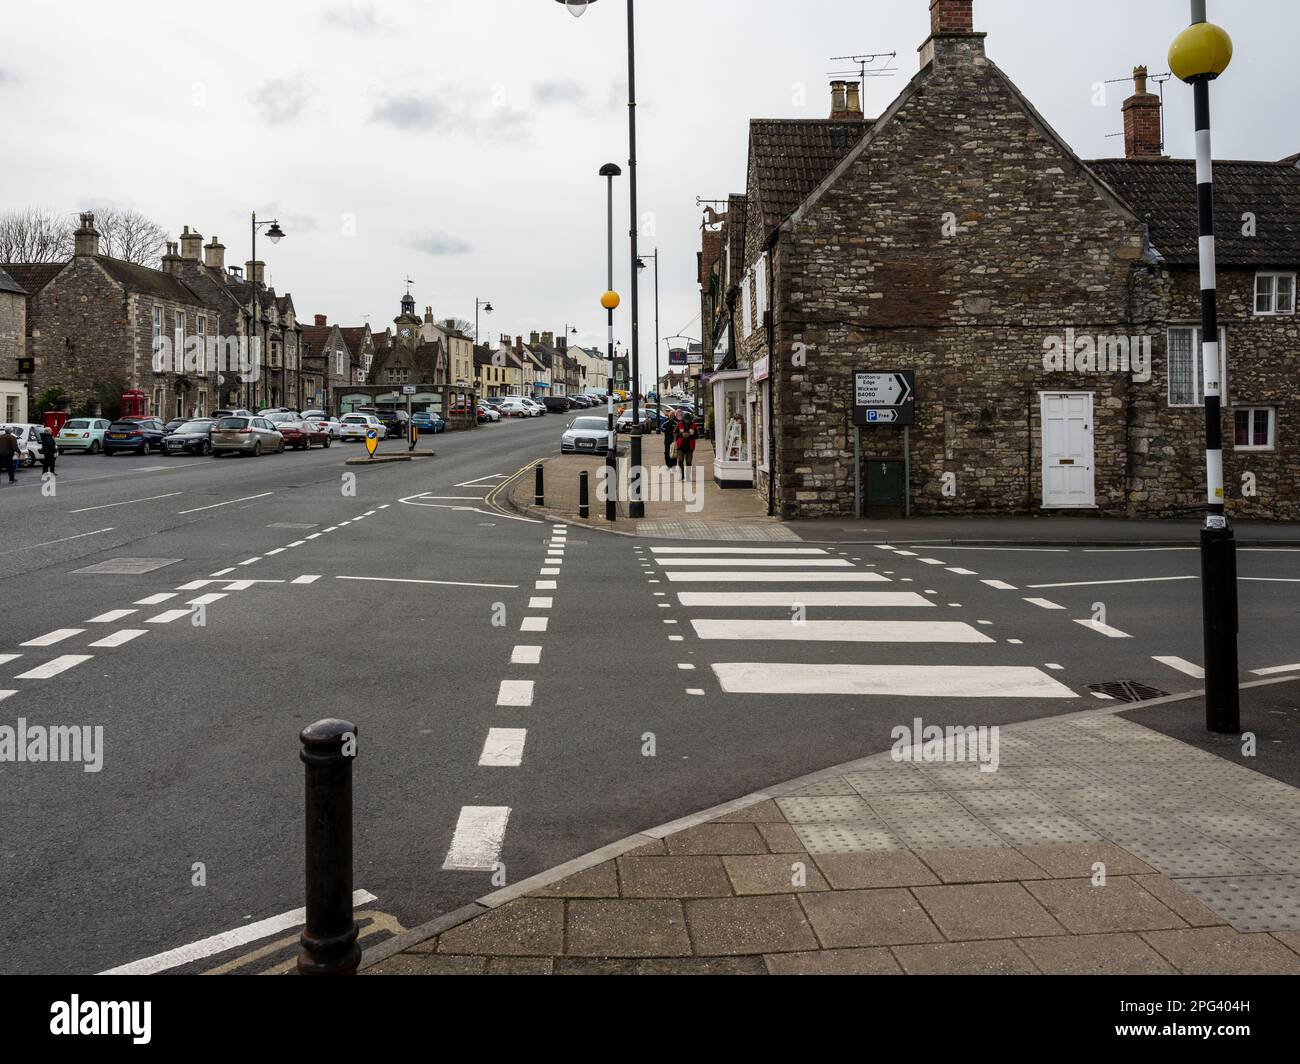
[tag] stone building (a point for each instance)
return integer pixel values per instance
(327, 359)
(13, 348)
(410, 358)
(1047, 305)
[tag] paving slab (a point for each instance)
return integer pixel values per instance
(1084, 908)
(1111, 954)
(599, 881)
(986, 911)
(864, 871)
(980, 866)
(526, 927)
(1222, 951)
(673, 877)
(877, 961)
(965, 958)
(625, 928)
(729, 926)
(1078, 862)
(774, 874)
(885, 917)
(715, 840)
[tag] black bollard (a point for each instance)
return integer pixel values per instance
(539, 494)
(328, 945)
(584, 496)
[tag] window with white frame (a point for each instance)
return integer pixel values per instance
(156, 406)
(1255, 428)
(338, 364)
(201, 356)
(746, 317)
(760, 279)
(1186, 375)
(157, 337)
(1274, 293)
(178, 340)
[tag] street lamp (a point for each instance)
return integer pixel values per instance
(275, 234)
(1199, 55)
(577, 8)
(486, 304)
(610, 302)
(659, 399)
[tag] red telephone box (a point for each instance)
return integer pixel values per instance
(134, 404)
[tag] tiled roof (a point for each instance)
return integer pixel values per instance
(1162, 192)
(8, 284)
(317, 336)
(355, 339)
(33, 276)
(793, 156)
(1293, 160)
(144, 279)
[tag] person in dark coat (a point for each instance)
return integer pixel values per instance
(49, 451)
(688, 432)
(8, 453)
(670, 438)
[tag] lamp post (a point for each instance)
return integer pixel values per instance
(659, 399)
(610, 302)
(1199, 55)
(486, 304)
(275, 234)
(577, 8)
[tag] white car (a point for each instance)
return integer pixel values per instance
(326, 421)
(534, 407)
(29, 442)
(355, 426)
(514, 406)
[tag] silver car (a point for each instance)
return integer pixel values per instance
(245, 435)
(586, 435)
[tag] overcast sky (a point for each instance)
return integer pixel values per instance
(458, 141)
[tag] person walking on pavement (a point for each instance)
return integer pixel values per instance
(670, 439)
(687, 435)
(49, 451)
(8, 453)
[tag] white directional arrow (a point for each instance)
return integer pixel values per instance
(882, 389)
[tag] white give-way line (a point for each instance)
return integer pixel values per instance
(51, 542)
(440, 583)
(207, 947)
(217, 505)
(479, 482)
(129, 502)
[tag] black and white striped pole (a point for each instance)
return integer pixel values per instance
(610, 301)
(1199, 55)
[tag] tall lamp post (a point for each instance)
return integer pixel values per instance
(610, 302)
(577, 8)
(659, 399)
(275, 234)
(1199, 55)
(486, 304)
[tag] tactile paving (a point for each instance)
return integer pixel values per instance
(1251, 903)
(1191, 857)
(826, 808)
(847, 836)
(1005, 800)
(834, 785)
(940, 832)
(929, 803)
(1032, 829)
(899, 780)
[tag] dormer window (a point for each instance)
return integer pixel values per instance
(1274, 293)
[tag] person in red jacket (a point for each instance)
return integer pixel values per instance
(688, 433)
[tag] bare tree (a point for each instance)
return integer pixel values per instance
(35, 234)
(127, 234)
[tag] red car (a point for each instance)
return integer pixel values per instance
(300, 435)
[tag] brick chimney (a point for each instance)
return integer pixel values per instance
(322, 320)
(534, 339)
(171, 262)
(255, 271)
(86, 238)
(191, 245)
(839, 101)
(952, 34)
(214, 255)
(428, 315)
(1143, 136)
(519, 344)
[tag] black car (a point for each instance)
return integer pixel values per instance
(190, 438)
(556, 404)
(174, 424)
(136, 435)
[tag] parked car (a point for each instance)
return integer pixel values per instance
(328, 423)
(355, 426)
(136, 435)
(29, 441)
(513, 406)
(237, 412)
(174, 424)
(300, 435)
(245, 435)
(428, 422)
(586, 435)
(193, 437)
(537, 409)
(271, 411)
(556, 404)
(82, 434)
(490, 412)
(625, 421)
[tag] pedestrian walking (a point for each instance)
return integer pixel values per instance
(49, 451)
(688, 433)
(8, 453)
(670, 440)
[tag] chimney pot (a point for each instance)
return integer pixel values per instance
(839, 102)
(321, 321)
(215, 255)
(86, 238)
(854, 107)
(191, 245)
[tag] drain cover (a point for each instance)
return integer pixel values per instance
(1127, 691)
(127, 566)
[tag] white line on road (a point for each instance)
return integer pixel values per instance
(504, 748)
(223, 572)
(515, 693)
(297, 543)
(757, 563)
(724, 577)
(841, 631)
(49, 639)
(117, 639)
(53, 668)
(792, 599)
(438, 583)
(207, 947)
(218, 505)
(936, 561)
(523, 655)
(737, 550)
(963, 572)
(52, 542)
(278, 550)
(207, 600)
(7, 694)
(1183, 666)
(455, 498)
(1099, 583)
(476, 483)
(156, 600)
(129, 502)
(535, 624)
(548, 572)
(1104, 629)
(1270, 580)
(1046, 604)
(194, 585)
(6, 658)
(904, 681)
(476, 844)
(308, 579)
(251, 561)
(541, 603)
(169, 616)
(1277, 670)
(545, 585)
(999, 585)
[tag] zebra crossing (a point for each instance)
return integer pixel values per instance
(803, 627)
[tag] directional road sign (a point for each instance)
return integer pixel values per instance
(884, 398)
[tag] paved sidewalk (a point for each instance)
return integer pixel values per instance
(1098, 846)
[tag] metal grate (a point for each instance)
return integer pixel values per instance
(1127, 690)
(126, 566)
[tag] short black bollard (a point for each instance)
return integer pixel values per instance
(539, 495)
(584, 496)
(328, 945)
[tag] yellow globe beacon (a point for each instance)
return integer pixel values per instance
(610, 301)
(1202, 50)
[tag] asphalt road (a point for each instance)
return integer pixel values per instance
(405, 607)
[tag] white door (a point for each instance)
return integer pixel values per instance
(1068, 454)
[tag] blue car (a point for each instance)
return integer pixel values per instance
(428, 422)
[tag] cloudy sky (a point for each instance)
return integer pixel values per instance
(458, 141)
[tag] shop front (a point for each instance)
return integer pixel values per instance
(733, 465)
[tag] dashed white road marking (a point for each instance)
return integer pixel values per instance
(963, 572)
(55, 667)
(314, 535)
(548, 572)
(901, 681)
(515, 693)
(278, 550)
(841, 631)
(1046, 604)
(7, 694)
(696, 691)
(793, 599)
(207, 600)
(218, 505)
(504, 748)
(308, 579)
(129, 502)
(111, 616)
(1277, 670)
(6, 658)
(223, 572)
(540, 603)
(50, 638)
(194, 585)
(535, 624)
(477, 841)
(545, 585)
(401, 580)
(1103, 629)
(999, 585)
(933, 561)
(686, 667)
(117, 639)
(156, 600)
(1182, 665)
(526, 655)
(208, 947)
(169, 617)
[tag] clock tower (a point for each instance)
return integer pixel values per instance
(407, 322)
